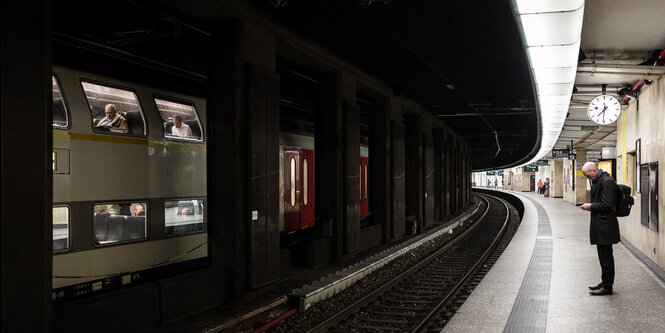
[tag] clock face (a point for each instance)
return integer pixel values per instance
(604, 110)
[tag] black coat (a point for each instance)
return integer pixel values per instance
(604, 228)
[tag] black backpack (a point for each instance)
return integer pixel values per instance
(624, 200)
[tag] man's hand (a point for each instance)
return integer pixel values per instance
(586, 206)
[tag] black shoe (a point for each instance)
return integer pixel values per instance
(601, 292)
(600, 285)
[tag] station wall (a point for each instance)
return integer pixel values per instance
(643, 120)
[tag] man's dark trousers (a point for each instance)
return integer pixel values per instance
(606, 264)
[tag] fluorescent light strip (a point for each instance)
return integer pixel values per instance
(551, 33)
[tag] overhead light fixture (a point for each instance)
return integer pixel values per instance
(551, 34)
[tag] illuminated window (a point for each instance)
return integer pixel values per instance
(304, 181)
(127, 119)
(183, 216)
(366, 182)
(293, 181)
(180, 120)
(120, 221)
(60, 228)
(60, 118)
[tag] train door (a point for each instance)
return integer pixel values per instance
(307, 188)
(291, 189)
(364, 187)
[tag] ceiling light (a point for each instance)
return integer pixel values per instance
(551, 34)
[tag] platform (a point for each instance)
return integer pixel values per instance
(540, 282)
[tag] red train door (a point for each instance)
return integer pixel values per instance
(307, 188)
(291, 189)
(364, 186)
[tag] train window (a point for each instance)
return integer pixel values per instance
(180, 120)
(60, 118)
(293, 181)
(183, 216)
(60, 228)
(304, 182)
(366, 181)
(119, 222)
(114, 110)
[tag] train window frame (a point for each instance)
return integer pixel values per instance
(69, 227)
(181, 101)
(366, 182)
(68, 118)
(292, 182)
(181, 234)
(96, 243)
(305, 179)
(146, 130)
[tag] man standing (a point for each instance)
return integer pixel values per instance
(604, 228)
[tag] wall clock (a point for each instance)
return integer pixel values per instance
(604, 110)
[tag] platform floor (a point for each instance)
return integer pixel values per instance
(637, 305)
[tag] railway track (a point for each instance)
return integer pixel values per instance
(424, 295)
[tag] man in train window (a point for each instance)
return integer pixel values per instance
(180, 129)
(137, 210)
(113, 121)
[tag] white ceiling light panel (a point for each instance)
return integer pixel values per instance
(551, 32)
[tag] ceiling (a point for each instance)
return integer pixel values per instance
(619, 40)
(462, 61)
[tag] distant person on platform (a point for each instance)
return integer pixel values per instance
(546, 187)
(113, 119)
(540, 186)
(496, 183)
(604, 228)
(180, 129)
(489, 182)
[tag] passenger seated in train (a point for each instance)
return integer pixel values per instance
(113, 120)
(180, 128)
(185, 208)
(137, 210)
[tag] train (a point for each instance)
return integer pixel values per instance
(129, 183)
(297, 183)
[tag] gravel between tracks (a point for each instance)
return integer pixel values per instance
(320, 311)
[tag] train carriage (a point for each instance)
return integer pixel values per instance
(129, 196)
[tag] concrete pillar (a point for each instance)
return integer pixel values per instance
(329, 159)
(379, 166)
(227, 185)
(575, 187)
(439, 172)
(414, 169)
(27, 187)
(556, 183)
(398, 185)
(351, 176)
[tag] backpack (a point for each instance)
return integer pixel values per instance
(624, 200)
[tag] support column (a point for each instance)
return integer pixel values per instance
(428, 180)
(379, 166)
(414, 170)
(227, 184)
(351, 204)
(398, 191)
(27, 188)
(448, 181)
(262, 98)
(329, 161)
(439, 173)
